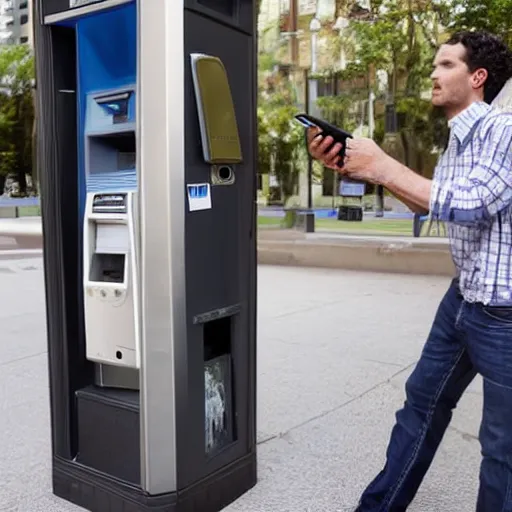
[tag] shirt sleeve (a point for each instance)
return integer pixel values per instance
(486, 189)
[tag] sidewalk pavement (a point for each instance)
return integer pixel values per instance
(334, 350)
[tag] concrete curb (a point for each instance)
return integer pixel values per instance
(28, 242)
(404, 258)
(26, 232)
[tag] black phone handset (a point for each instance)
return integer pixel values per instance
(336, 133)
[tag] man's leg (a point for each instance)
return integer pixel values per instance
(489, 334)
(432, 391)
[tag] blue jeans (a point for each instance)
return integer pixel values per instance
(465, 339)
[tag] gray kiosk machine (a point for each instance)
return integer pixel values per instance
(146, 151)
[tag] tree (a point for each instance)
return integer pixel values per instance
(16, 113)
(490, 15)
(281, 141)
(400, 37)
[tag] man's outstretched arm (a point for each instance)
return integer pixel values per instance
(411, 188)
(323, 149)
(475, 197)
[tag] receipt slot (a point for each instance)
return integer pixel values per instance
(147, 160)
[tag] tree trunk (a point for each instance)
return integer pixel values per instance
(21, 177)
(340, 4)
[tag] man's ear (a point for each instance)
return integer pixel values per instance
(479, 77)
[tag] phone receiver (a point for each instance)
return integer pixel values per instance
(336, 133)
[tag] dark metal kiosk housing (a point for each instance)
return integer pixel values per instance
(147, 149)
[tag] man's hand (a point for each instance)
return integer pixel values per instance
(318, 145)
(363, 158)
(365, 161)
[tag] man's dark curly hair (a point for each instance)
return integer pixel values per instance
(484, 50)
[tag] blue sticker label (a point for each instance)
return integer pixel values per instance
(197, 191)
(199, 197)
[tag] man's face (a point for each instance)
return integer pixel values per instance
(453, 85)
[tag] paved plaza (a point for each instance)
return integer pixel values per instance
(334, 350)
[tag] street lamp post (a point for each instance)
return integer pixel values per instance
(311, 97)
(310, 159)
(314, 27)
(341, 25)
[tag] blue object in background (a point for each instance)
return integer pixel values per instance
(350, 188)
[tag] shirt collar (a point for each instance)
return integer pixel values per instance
(462, 125)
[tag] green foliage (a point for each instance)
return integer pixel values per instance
(334, 110)
(491, 15)
(377, 42)
(16, 68)
(282, 147)
(401, 39)
(7, 161)
(424, 121)
(281, 140)
(265, 63)
(16, 112)
(265, 142)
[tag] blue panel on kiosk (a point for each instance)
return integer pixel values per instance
(107, 65)
(110, 153)
(110, 111)
(107, 49)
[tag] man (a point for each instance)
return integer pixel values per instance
(472, 330)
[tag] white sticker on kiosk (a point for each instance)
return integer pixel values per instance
(199, 197)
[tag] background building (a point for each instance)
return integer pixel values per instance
(15, 22)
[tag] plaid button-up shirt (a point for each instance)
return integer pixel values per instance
(472, 194)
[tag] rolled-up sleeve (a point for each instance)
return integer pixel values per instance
(486, 189)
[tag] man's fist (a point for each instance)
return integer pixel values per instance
(364, 160)
(318, 146)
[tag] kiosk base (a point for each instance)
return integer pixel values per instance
(98, 492)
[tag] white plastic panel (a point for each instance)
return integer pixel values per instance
(112, 238)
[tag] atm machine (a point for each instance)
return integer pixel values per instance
(111, 238)
(147, 155)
